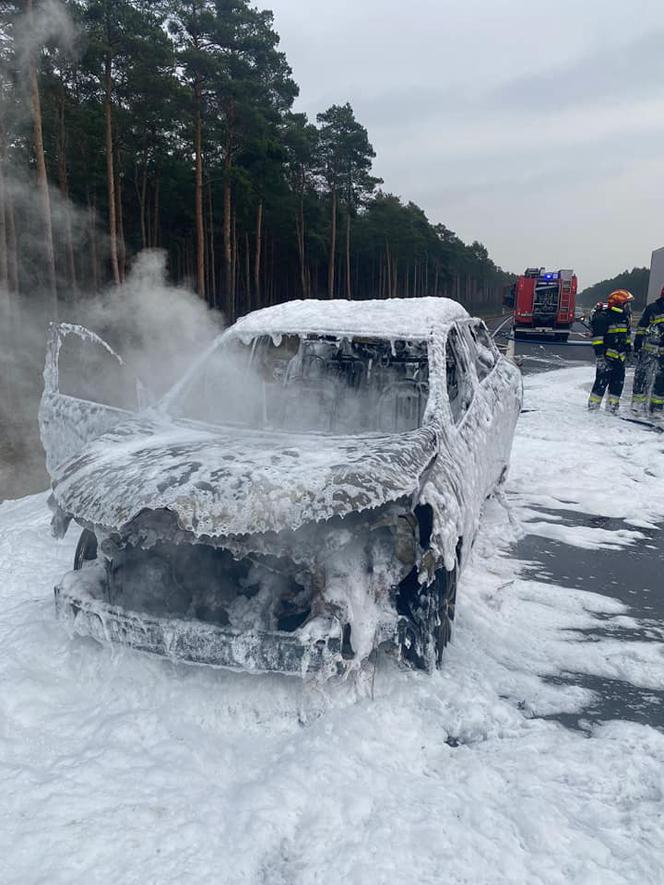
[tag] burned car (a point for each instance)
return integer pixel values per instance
(305, 495)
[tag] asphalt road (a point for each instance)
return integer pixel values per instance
(541, 354)
(632, 575)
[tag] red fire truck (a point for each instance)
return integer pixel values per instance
(544, 303)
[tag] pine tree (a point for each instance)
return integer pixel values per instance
(346, 157)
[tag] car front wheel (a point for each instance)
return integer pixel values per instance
(86, 549)
(427, 612)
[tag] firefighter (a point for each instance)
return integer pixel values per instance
(612, 343)
(649, 350)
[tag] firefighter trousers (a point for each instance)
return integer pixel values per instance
(657, 395)
(649, 382)
(611, 375)
(642, 376)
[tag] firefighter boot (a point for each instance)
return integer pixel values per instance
(594, 402)
(613, 404)
(638, 403)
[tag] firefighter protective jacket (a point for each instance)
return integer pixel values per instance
(651, 326)
(611, 333)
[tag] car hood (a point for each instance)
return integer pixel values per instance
(225, 481)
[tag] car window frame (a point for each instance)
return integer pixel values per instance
(471, 326)
(458, 328)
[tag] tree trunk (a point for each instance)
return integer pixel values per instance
(257, 256)
(299, 225)
(122, 250)
(142, 194)
(42, 179)
(348, 286)
(4, 258)
(247, 271)
(213, 281)
(356, 278)
(93, 244)
(63, 185)
(12, 246)
(272, 289)
(388, 269)
(155, 223)
(200, 231)
(233, 265)
(110, 172)
(228, 207)
(333, 246)
(228, 245)
(148, 220)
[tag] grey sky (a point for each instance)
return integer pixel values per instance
(535, 126)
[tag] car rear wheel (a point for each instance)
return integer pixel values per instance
(86, 549)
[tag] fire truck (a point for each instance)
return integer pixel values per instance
(544, 303)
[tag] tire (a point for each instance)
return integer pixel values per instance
(452, 593)
(86, 549)
(427, 612)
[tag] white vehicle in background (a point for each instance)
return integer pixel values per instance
(306, 494)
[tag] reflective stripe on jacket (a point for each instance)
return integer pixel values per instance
(611, 333)
(650, 325)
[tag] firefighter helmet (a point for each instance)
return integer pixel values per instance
(620, 298)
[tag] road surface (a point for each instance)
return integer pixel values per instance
(633, 575)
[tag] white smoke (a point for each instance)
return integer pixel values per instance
(158, 328)
(49, 24)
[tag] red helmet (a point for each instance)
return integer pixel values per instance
(620, 298)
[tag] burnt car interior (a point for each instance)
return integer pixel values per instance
(152, 569)
(311, 384)
(197, 580)
(209, 584)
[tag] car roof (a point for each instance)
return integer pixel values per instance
(393, 318)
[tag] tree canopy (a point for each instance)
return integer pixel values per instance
(171, 123)
(635, 281)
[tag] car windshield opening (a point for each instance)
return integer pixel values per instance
(315, 384)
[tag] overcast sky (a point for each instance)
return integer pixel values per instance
(535, 126)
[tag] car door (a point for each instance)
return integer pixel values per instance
(454, 483)
(86, 393)
(497, 398)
